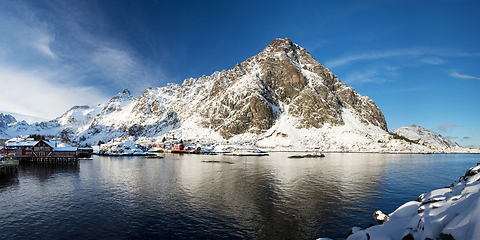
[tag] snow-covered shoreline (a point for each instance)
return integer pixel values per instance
(447, 213)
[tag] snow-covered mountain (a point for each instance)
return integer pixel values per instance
(281, 99)
(64, 126)
(281, 86)
(5, 120)
(4, 136)
(425, 137)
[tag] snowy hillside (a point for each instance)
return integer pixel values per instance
(425, 137)
(63, 126)
(447, 213)
(280, 99)
(281, 86)
(4, 136)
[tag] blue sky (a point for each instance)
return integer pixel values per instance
(418, 60)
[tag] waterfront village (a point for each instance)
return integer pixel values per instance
(458, 203)
(49, 147)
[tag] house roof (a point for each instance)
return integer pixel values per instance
(65, 149)
(22, 144)
(49, 143)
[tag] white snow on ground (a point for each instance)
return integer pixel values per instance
(4, 136)
(425, 137)
(448, 212)
(354, 136)
(121, 146)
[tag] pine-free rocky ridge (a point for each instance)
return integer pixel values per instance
(282, 99)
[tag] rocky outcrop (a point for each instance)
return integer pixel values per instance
(6, 119)
(446, 213)
(282, 81)
(426, 137)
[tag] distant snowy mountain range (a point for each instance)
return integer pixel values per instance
(425, 137)
(280, 99)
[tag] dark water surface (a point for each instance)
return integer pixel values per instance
(181, 197)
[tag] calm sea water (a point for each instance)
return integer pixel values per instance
(182, 197)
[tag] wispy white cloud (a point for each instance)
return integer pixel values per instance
(378, 74)
(42, 43)
(60, 61)
(444, 128)
(36, 94)
(24, 32)
(409, 53)
(369, 56)
(385, 66)
(455, 74)
(121, 68)
(433, 60)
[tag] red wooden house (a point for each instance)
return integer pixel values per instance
(178, 147)
(41, 150)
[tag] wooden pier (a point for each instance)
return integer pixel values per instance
(8, 168)
(48, 159)
(43, 152)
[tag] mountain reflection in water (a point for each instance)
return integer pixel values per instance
(200, 196)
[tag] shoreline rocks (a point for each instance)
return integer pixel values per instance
(447, 213)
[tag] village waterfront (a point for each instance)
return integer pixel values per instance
(183, 196)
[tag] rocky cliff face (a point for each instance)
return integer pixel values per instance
(6, 119)
(284, 79)
(282, 82)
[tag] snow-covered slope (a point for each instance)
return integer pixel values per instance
(283, 86)
(447, 213)
(425, 137)
(280, 99)
(5, 120)
(4, 136)
(63, 126)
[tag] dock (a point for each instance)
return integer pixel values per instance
(48, 159)
(28, 150)
(8, 168)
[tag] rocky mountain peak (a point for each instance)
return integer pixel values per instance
(284, 79)
(78, 115)
(281, 45)
(117, 103)
(283, 83)
(6, 119)
(124, 95)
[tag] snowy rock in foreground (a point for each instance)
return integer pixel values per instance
(448, 213)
